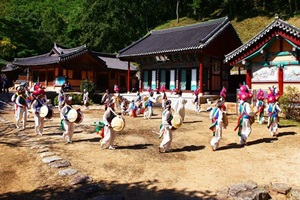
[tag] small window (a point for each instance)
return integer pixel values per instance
(77, 74)
(113, 75)
(60, 71)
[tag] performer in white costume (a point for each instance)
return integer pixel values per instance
(69, 126)
(36, 105)
(21, 108)
(109, 133)
(85, 97)
(179, 106)
(166, 129)
(273, 109)
(245, 112)
(149, 105)
(216, 115)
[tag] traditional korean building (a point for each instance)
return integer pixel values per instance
(77, 64)
(271, 57)
(185, 57)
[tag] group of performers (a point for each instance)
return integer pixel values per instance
(246, 114)
(25, 99)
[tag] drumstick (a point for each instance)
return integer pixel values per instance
(113, 112)
(153, 131)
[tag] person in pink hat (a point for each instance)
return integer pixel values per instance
(245, 112)
(273, 109)
(260, 105)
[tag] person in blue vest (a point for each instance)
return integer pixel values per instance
(85, 98)
(151, 100)
(216, 115)
(38, 102)
(245, 113)
(21, 108)
(273, 109)
(260, 105)
(61, 99)
(5, 85)
(109, 133)
(166, 129)
(67, 125)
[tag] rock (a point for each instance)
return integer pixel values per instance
(60, 164)
(89, 189)
(237, 188)
(67, 172)
(43, 146)
(109, 197)
(43, 150)
(255, 194)
(222, 194)
(46, 154)
(51, 159)
(281, 188)
(295, 194)
(80, 179)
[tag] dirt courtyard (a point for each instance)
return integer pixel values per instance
(135, 169)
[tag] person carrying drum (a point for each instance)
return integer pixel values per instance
(36, 105)
(68, 126)
(109, 133)
(166, 129)
(179, 105)
(85, 97)
(216, 115)
(21, 108)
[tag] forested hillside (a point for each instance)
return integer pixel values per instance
(30, 27)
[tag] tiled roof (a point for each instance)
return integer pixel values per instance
(115, 63)
(57, 54)
(112, 62)
(192, 37)
(276, 24)
(37, 60)
(9, 67)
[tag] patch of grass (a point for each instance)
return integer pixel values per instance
(173, 23)
(289, 122)
(246, 29)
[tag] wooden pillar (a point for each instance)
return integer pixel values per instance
(128, 78)
(280, 80)
(157, 80)
(46, 78)
(200, 84)
(177, 85)
(248, 78)
(280, 71)
(141, 80)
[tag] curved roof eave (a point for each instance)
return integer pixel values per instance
(163, 52)
(275, 23)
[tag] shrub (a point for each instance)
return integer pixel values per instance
(290, 103)
(55, 101)
(89, 85)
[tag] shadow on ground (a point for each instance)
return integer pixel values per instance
(109, 191)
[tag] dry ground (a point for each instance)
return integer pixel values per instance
(136, 169)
